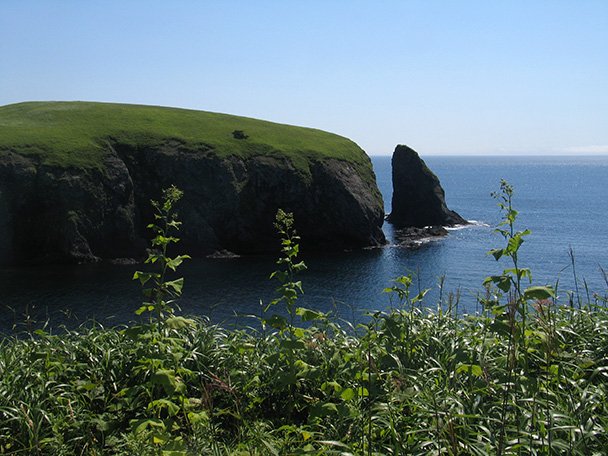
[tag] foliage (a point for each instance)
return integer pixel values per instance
(411, 380)
(159, 294)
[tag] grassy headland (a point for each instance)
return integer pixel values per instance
(78, 133)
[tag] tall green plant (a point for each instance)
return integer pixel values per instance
(162, 292)
(510, 282)
(511, 278)
(288, 289)
(162, 390)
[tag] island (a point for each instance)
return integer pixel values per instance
(76, 180)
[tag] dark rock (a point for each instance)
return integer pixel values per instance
(223, 254)
(53, 214)
(418, 198)
(413, 236)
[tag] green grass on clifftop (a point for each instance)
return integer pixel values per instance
(79, 133)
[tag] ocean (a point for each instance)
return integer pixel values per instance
(563, 201)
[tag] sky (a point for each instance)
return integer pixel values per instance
(444, 77)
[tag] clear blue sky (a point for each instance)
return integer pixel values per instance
(444, 77)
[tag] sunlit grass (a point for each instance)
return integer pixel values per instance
(408, 382)
(80, 133)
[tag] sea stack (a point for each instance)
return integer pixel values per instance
(418, 198)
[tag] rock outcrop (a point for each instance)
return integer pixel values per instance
(418, 198)
(67, 213)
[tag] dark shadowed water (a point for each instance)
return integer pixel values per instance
(562, 200)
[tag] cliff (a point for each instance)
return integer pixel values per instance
(76, 180)
(418, 198)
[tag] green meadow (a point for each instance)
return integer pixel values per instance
(78, 134)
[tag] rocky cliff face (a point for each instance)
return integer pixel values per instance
(58, 214)
(418, 198)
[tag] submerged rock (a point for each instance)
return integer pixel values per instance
(418, 198)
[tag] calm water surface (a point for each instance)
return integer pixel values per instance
(562, 200)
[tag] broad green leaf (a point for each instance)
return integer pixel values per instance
(514, 244)
(307, 314)
(276, 321)
(160, 438)
(282, 276)
(474, 369)
(502, 282)
(523, 272)
(420, 296)
(143, 277)
(311, 373)
(333, 384)
(286, 378)
(102, 425)
(165, 378)
(148, 292)
(290, 344)
(394, 328)
(298, 332)
(496, 253)
(154, 258)
(174, 224)
(141, 425)
(141, 310)
(299, 267)
(172, 408)
(200, 417)
(287, 292)
(348, 394)
(298, 285)
(176, 284)
(323, 409)
(362, 391)
(404, 280)
(161, 240)
(178, 322)
(539, 293)
(306, 435)
(134, 332)
(501, 327)
(175, 262)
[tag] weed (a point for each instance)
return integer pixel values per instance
(162, 291)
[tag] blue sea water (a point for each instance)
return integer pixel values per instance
(562, 200)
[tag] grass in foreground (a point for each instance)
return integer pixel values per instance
(408, 382)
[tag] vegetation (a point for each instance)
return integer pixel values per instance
(81, 133)
(524, 376)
